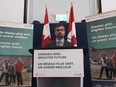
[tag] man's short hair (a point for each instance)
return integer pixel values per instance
(58, 25)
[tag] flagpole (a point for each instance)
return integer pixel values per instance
(37, 79)
(71, 3)
(81, 78)
(71, 27)
(45, 6)
(46, 36)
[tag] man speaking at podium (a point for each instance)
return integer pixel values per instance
(60, 41)
(59, 81)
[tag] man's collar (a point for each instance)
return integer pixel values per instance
(62, 40)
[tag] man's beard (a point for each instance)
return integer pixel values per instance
(60, 36)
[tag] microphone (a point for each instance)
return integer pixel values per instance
(59, 36)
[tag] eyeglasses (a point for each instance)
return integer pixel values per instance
(60, 29)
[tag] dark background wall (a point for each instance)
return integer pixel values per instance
(81, 41)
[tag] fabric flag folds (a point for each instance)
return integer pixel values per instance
(46, 37)
(72, 28)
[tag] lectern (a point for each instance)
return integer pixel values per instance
(58, 67)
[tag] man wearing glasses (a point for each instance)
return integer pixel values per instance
(59, 41)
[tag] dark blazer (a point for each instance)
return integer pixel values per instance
(52, 44)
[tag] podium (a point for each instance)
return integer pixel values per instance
(58, 67)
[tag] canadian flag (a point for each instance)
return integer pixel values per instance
(72, 28)
(46, 37)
